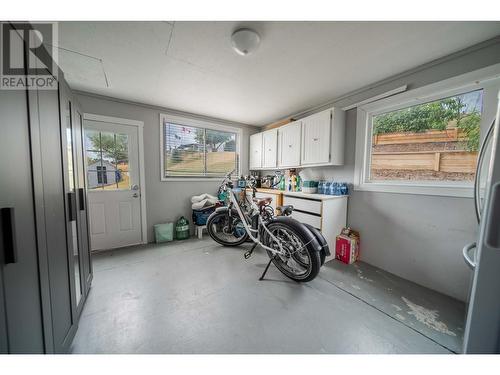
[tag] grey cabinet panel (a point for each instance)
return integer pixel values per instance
(85, 258)
(21, 279)
(4, 344)
(55, 221)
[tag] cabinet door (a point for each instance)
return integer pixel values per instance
(55, 220)
(289, 145)
(316, 138)
(85, 258)
(255, 151)
(270, 148)
(20, 316)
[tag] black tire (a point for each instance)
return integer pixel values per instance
(218, 219)
(305, 237)
(325, 249)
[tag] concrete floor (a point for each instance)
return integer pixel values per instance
(196, 296)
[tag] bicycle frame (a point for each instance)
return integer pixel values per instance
(254, 234)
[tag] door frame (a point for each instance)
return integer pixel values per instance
(142, 176)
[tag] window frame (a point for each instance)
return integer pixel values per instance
(192, 122)
(487, 81)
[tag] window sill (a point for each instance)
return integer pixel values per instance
(402, 188)
(185, 179)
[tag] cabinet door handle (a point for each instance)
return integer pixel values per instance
(81, 197)
(8, 235)
(72, 206)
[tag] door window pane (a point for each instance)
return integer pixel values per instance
(107, 160)
(92, 140)
(435, 141)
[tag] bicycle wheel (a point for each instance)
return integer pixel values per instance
(301, 261)
(219, 229)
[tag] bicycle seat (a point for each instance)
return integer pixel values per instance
(262, 201)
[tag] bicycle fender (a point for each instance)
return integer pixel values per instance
(300, 228)
(320, 238)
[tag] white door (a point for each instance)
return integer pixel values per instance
(256, 151)
(114, 191)
(270, 148)
(316, 138)
(289, 145)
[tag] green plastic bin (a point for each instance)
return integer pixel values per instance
(164, 232)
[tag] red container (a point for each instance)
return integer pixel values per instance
(347, 246)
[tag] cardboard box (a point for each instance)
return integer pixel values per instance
(347, 246)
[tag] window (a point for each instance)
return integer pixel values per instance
(435, 141)
(426, 143)
(107, 160)
(191, 148)
(102, 177)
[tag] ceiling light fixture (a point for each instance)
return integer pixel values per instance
(245, 41)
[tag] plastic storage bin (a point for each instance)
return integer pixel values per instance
(200, 217)
(164, 232)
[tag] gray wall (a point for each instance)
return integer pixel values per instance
(417, 237)
(165, 200)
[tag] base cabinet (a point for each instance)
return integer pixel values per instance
(325, 212)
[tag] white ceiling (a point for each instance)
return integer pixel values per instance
(190, 66)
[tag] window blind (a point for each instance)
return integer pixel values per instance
(194, 151)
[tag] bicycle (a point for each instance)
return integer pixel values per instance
(296, 250)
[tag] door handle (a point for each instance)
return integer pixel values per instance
(8, 235)
(72, 206)
(81, 198)
(465, 252)
(492, 234)
(135, 195)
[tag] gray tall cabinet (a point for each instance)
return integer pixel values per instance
(45, 264)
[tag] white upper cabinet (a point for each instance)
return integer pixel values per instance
(289, 145)
(323, 138)
(316, 138)
(255, 151)
(269, 148)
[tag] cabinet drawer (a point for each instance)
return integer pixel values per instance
(303, 204)
(313, 220)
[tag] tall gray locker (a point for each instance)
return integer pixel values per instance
(45, 268)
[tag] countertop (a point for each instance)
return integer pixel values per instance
(299, 194)
(269, 191)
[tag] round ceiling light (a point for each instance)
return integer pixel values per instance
(245, 41)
